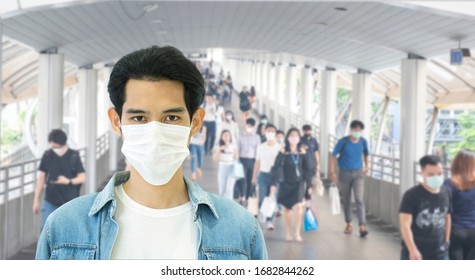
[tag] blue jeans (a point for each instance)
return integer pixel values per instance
(405, 256)
(197, 152)
(263, 181)
(46, 209)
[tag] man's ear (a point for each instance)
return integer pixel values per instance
(115, 121)
(197, 121)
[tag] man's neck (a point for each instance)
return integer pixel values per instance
(353, 139)
(172, 194)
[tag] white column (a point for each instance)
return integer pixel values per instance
(249, 73)
(265, 104)
(291, 94)
(361, 100)
(307, 94)
(88, 122)
(327, 116)
(1, 82)
(270, 90)
(259, 86)
(50, 97)
(413, 110)
(433, 128)
(113, 139)
(278, 89)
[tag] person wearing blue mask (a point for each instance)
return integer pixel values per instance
(350, 152)
(425, 215)
(153, 211)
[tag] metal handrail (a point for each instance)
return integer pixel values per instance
(16, 181)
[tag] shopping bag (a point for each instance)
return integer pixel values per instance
(268, 206)
(335, 199)
(310, 220)
(238, 170)
(253, 205)
(318, 184)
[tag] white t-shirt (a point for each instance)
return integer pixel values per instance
(228, 155)
(209, 115)
(147, 233)
(219, 114)
(267, 155)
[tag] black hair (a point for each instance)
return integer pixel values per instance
(356, 123)
(58, 136)
(287, 143)
(157, 64)
(271, 126)
(429, 160)
(279, 132)
(221, 141)
(306, 127)
(251, 121)
(231, 113)
(263, 117)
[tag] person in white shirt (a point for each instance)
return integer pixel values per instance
(197, 151)
(227, 154)
(210, 122)
(265, 157)
(229, 124)
(220, 118)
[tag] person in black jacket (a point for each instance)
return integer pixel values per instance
(289, 170)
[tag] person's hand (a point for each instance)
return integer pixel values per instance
(366, 170)
(273, 190)
(415, 255)
(310, 191)
(254, 181)
(62, 181)
(333, 177)
(36, 207)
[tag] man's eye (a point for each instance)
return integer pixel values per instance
(138, 119)
(172, 118)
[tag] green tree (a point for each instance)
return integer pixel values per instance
(466, 122)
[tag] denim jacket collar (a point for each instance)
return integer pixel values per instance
(196, 194)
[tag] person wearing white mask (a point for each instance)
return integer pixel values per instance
(351, 151)
(229, 124)
(425, 215)
(265, 157)
(153, 211)
(247, 147)
(62, 171)
(289, 171)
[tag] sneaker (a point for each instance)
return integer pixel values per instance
(270, 226)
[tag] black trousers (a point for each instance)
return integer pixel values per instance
(309, 175)
(246, 189)
(462, 244)
(210, 136)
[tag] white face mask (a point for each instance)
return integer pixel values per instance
(58, 151)
(249, 129)
(229, 117)
(155, 150)
(270, 136)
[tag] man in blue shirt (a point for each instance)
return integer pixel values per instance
(153, 211)
(350, 151)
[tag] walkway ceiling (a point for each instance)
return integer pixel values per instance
(368, 35)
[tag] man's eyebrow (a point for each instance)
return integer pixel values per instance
(136, 111)
(174, 110)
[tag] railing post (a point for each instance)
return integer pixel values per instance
(5, 220)
(22, 203)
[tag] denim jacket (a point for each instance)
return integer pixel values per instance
(84, 228)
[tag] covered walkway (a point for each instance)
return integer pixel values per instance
(328, 243)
